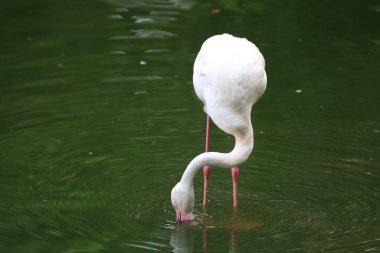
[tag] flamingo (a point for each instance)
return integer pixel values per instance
(229, 77)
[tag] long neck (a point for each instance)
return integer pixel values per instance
(240, 153)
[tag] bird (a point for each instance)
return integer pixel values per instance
(229, 78)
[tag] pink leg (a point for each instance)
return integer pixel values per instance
(206, 168)
(235, 174)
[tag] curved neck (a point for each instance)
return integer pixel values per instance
(240, 153)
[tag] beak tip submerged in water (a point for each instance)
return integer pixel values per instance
(184, 217)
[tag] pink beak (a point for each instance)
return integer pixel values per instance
(184, 216)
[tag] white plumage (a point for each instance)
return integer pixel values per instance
(229, 77)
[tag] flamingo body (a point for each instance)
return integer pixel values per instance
(229, 77)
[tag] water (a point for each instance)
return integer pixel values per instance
(98, 120)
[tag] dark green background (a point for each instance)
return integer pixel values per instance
(98, 120)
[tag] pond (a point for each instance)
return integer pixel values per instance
(99, 119)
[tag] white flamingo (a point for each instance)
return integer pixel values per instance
(229, 77)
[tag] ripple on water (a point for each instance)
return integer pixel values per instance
(145, 34)
(157, 50)
(137, 78)
(154, 4)
(149, 19)
(76, 175)
(338, 201)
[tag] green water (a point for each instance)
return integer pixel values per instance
(98, 119)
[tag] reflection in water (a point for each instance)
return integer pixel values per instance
(182, 236)
(233, 240)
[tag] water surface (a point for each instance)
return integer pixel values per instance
(98, 119)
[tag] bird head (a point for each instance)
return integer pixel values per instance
(183, 201)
